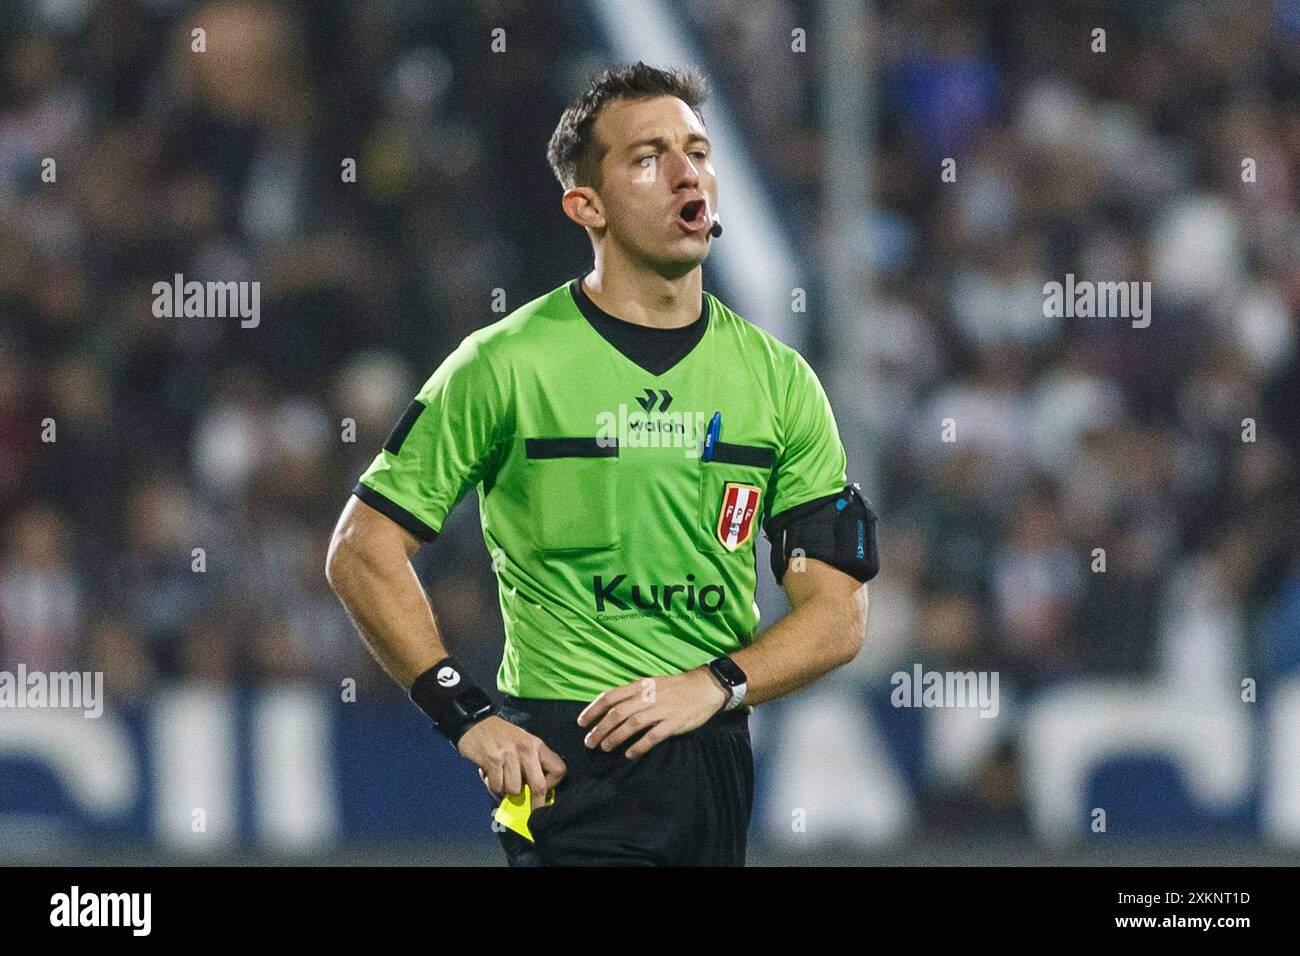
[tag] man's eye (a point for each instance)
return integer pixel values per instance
(642, 161)
(703, 154)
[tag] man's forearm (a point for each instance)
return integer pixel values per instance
(383, 595)
(820, 635)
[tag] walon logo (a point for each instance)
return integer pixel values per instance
(708, 599)
(647, 427)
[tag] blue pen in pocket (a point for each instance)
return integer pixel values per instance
(711, 436)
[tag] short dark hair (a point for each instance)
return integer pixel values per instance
(572, 151)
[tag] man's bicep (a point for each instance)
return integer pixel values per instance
(818, 579)
(362, 528)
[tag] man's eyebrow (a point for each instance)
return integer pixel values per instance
(659, 142)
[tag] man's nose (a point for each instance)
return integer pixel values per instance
(684, 171)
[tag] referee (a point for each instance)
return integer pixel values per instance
(626, 433)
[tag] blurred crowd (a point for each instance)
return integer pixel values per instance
(1118, 501)
(176, 525)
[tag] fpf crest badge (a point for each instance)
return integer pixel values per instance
(736, 519)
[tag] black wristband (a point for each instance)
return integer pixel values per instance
(453, 702)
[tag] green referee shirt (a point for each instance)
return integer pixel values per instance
(620, 552)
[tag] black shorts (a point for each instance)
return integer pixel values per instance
(685, 803)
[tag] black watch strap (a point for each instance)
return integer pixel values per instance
(451, 699)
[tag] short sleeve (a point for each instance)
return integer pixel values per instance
(811, 463)
(443, 445)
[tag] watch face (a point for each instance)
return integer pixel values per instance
(728, 670)
(473, 701)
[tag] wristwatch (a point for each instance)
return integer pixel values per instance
(732, 679)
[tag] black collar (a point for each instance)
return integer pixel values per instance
(655, 350)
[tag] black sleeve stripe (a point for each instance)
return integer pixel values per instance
(756, 455)
(403, 428)
(570, 448)
(394, 512)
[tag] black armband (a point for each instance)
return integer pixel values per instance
(839, 529)
(453, 702)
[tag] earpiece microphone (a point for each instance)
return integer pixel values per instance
(716, 229)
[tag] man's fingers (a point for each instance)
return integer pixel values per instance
(655, 735)
(494, 779)
(496, 794)
(614, 718)
(628, 729)
(605, 701)
(511, 777)
(552, 765)
(597, 707)
(535, 778)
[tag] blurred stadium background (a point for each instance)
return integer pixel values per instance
(923, 300)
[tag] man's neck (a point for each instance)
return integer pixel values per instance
(646, 298)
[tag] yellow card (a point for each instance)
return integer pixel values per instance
(514, 811)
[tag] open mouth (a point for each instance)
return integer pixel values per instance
(692, 213)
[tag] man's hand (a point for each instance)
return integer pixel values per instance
(508, 757)
(660, 706)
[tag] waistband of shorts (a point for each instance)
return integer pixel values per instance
(572, 708)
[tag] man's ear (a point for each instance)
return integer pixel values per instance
(582, 205)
